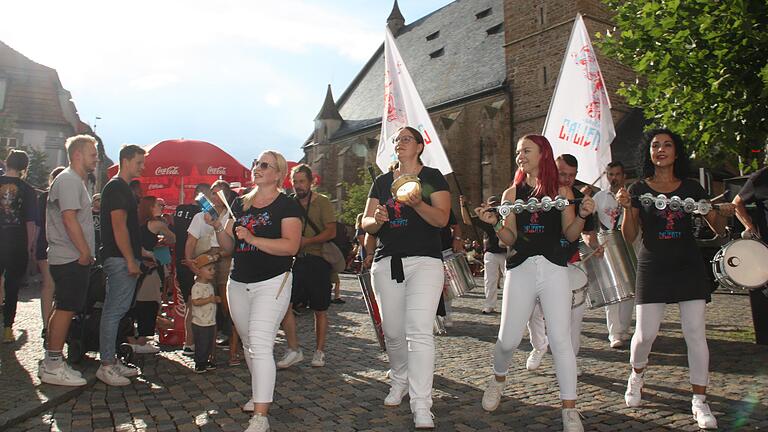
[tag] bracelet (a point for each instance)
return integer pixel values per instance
(580, 217)
(217, 231)
(499, 225)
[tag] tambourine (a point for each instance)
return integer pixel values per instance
(675, 203)
(404, 186)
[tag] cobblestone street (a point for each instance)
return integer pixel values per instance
(347, 394)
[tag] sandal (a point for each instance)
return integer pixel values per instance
(235, 361)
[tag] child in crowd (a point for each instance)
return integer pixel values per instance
(203, 303)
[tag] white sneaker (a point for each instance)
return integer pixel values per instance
(110, 376)
(291, 358)
(492, 395)
(248, 407)
(634, 392)
(578, 369)
(487, 310)
(126, 370)
(318, 360)
(258, 423)
(617, 343)
(147, 348)
(395, 396)
(572, 420)
(703, 415)
(61, 375)
(73, 371)
(423, 418)
(534, 359)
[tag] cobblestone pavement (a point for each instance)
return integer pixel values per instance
(347, 394)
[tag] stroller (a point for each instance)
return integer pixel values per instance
(84, 331)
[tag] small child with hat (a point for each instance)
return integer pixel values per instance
(203, 303)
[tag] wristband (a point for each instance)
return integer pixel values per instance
(499, 225)
(580, 217)
(223, 227)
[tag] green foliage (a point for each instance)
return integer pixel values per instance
(38, 171)
(702, 67)
(356, 196)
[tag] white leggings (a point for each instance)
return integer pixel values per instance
(257, 314)
(407, 314)
(648, 319)
(537, 328)
(537, 277)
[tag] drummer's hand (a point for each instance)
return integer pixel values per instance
(749, 233)
(381, 214)
(726, 210)
(368, 261)
(599, 251)
(486, 214)
(623, 198)
(413, 199)
(458, 245)
(586, 190)
(587, 206)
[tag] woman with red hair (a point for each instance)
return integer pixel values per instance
(536, 268)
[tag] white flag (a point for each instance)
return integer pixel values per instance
(403, 107)
(579, 120)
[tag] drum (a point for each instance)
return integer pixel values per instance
(366, 286)
(741, 264)
(578, 280)
(457, 274)
(612, 276)
(404, 185)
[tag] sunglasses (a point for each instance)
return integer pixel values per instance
(263, 165)
(405, 139)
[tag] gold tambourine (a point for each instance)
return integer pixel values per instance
(404, 186)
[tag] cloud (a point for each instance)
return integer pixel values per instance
(153, 82)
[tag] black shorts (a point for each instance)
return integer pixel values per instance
(70, 286)
(186, 279)
(312, 282)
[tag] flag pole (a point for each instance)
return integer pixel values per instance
(461, 193)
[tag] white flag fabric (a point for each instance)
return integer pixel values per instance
(579, 120)
(403, 107)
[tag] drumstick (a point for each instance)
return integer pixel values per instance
(589, 256)
(597, 179)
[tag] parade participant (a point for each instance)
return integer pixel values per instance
(567, 169)
(311, 273)
(669, 265)
(494, 255)
(121, 251)
(182, 218)
(18, 212)
(618, 316)
(41, 254)
(70, 235)
(407, 274)
(537, 269)
(264, 238)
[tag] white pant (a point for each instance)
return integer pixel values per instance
(537, 277)
(257, 313)
(537, 328)
(618, 317)
(493, 276)
(692, 314)
(407, 314)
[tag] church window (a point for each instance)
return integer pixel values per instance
(433, 36)
(498, 28)
(484, 13)
(438, 53)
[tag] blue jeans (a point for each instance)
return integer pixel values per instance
(121, 288)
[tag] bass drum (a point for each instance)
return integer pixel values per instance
(741, 264)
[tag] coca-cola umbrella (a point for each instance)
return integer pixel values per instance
(172, 167)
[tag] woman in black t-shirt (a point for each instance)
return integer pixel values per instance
(536, 268)
(407, 273)
(669, 265)
(263, 240)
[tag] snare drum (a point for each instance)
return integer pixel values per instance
(457, 274)
(578, 281)
(741, 264)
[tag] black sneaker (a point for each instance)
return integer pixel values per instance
(210, 366)
(200, 369)
(338, 301)
(189, 352)
(223, 343)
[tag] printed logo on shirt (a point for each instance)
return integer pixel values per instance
(533, 227)
(612, 213)
(398, 221)
(10, 204)
(252, 222)
(669, 232)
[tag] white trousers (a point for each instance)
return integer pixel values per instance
(692, 313)
(493, 276)
(537, 328)
(257, 311)
(537, 277)
(407, 315)
(618, 317)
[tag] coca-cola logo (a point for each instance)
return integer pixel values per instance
(170, 170)
(153, 186)
(217, 170)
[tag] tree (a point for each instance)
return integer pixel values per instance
(356, 196)
(702, 68)
(38, 171)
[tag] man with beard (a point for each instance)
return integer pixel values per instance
(71, 252)
(311, 273)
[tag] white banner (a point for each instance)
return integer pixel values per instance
(403, 107)
(579, 120)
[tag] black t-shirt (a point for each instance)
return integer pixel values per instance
(406, 233)
(756, 191)
(670, 268)
(490, 240)
(118, 196)
(537, 234)
(182, 218)
(446, 234)
(571, 249)
(254, 265)
(18, 203)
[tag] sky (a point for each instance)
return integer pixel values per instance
(246, 75)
